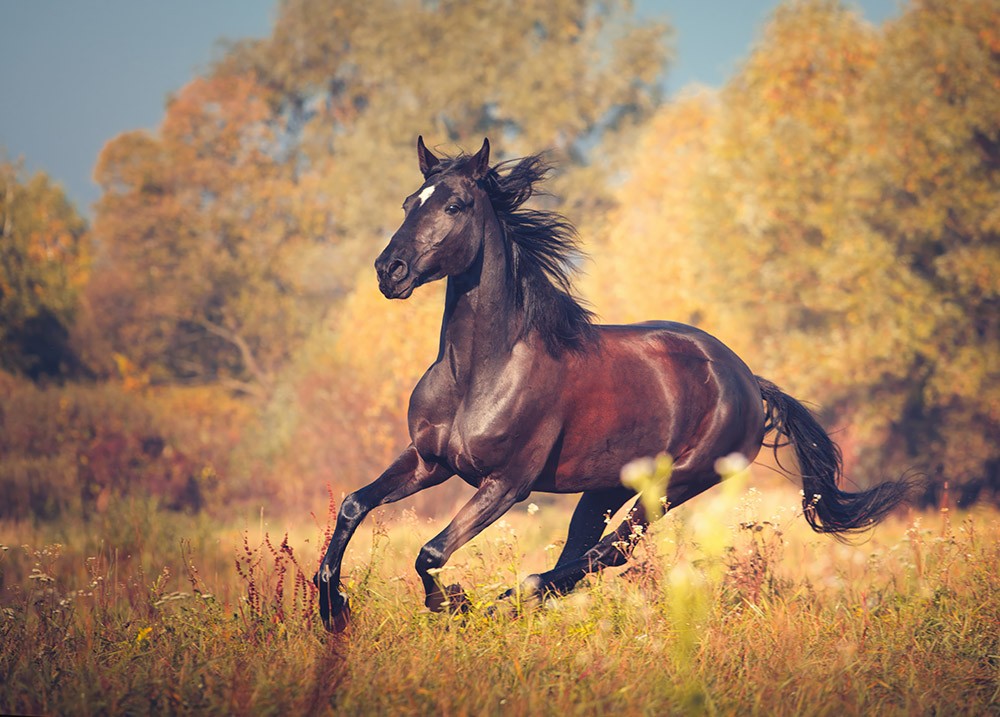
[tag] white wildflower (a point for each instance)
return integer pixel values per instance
(731, 465)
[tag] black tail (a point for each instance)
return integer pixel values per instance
(827, 508)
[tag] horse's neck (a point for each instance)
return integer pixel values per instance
(481, 319)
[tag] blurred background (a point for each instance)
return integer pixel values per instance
(814, 182)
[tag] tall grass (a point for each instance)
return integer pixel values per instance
(729, 605)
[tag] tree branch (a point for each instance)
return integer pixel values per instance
(246, 353)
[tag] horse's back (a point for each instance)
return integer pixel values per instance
(676, 344)
(709, 394)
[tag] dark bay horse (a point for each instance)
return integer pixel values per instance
(528, 394)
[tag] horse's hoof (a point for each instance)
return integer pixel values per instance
(453, 600)
(339, 621)
(503, 608)
(495, 609)
(527, 595)
(458, 601)
(334, 609)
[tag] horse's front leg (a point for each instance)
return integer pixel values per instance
(494, 498)
(407, 475)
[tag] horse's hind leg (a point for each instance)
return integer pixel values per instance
(610, 551)
(585, 527)
(591, 515)
(613, 549)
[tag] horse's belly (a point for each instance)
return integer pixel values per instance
(596, 462)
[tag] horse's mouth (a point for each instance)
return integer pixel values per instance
(398, 290)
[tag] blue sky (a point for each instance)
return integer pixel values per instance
(75, 73)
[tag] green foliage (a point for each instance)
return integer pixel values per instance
(528, 74)
(44, 262)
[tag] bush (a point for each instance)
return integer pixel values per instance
(75, 448)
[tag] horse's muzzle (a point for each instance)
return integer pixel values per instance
(394, 278)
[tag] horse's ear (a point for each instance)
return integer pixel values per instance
(427, 160)
(481, 162)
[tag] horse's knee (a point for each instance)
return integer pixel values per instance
(351, 509)
(323, 575)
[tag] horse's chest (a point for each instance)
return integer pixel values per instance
(444, 441)
(474, 426)
(464, 440)
(437, 420)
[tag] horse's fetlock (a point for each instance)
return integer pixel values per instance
(428, 559)
(531, 585)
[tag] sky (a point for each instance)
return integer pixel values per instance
(76, 73)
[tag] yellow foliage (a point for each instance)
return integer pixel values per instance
(132, 377)
(832, 220)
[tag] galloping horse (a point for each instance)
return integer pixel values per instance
(527, 393)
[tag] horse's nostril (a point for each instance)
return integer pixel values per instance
(397, 269)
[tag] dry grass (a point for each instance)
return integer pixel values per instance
(730, 606)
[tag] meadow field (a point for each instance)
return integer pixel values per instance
(729, 606)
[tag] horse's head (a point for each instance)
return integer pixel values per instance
(441, 233)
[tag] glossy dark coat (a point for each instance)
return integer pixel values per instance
(527, 394)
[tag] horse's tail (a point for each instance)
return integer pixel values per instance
(827, 508)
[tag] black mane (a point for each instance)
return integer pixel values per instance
(542, 246)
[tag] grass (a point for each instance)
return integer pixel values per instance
(731, 605)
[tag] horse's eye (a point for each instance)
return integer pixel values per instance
(452, 209)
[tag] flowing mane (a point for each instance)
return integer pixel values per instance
(542, 246)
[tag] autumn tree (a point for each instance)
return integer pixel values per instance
(838, 228)
(44, 262)
(360, 80)
(927, 180)
(736, 205)
(274, 179)
(204, 230)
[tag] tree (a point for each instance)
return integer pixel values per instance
(840, 228)
(741, 195)
(650, 263)
(44, 263)
(280, 172)
(927, 179)
(203, 230)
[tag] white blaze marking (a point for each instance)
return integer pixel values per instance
(426, 194)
